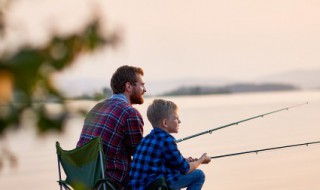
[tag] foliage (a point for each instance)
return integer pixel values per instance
(26, 76)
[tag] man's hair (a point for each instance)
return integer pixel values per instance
(159, 110)
(123, 75)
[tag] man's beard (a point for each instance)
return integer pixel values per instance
(136, 98)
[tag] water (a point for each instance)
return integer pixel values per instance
(289, 169)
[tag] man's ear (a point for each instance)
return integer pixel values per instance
(128, 87)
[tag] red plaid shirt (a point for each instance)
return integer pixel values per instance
(121, 128)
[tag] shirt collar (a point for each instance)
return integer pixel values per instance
(156, 129)
(121, 97)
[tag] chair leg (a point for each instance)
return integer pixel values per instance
(66, 187)
(111, 186)
(102, 169)
(106, 185)
(59, 172)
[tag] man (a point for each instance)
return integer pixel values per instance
(118, 124)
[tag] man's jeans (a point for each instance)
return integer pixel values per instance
(193, 181)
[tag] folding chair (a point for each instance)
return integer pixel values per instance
(84, 167)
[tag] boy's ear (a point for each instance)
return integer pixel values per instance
(164, 123)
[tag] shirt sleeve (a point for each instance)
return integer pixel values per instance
(134, 131)
(174, 158)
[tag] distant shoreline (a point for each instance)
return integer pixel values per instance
(230, 89)
(195, 90)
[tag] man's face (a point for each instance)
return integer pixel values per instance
(138, 91)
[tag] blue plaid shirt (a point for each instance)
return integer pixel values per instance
(157, 155)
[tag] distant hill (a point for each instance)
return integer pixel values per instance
(166, 85)
(235, 88)
(306, 79)
(298, 79)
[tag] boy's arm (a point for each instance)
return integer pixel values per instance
(204, 159)
(173, 157)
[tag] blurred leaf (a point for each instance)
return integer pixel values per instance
(48, 122)
(9, 116)
(32, 70)
(25, 67)
(92, 37)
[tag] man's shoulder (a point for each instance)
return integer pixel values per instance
(121, 105)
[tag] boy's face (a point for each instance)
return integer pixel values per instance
(173, 123)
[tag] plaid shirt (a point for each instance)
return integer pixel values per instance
(121, 128)
(157, 156)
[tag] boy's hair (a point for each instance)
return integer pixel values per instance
(123, 75)
(159, 110)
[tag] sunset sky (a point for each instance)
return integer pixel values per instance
(229, 39)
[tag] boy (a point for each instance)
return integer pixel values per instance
(157, 155)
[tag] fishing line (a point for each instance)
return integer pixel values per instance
(265, 149)
(238, 122)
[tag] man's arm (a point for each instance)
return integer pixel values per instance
(134, 131)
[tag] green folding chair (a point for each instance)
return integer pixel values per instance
(84, 167)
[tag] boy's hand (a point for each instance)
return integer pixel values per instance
(205, 159)
(190, 159)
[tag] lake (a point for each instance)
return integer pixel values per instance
(288, 169)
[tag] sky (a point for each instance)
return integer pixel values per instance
(229, 39)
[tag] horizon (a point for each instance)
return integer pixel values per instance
(303, 80)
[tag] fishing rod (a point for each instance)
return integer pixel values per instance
(266, 149)
(237, 122)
